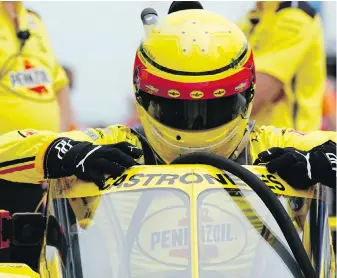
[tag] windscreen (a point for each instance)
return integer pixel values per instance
(155, 232)
(238, 237)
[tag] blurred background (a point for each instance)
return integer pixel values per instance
(96, 42)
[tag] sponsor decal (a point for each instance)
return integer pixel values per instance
(225, 178)
(173, 93)
(32, 78)
(165, 235)
(270, 180)
(91, 134)
(62, 147)
(241, 87)
(196, 94)
(219, 92)
(151, 89)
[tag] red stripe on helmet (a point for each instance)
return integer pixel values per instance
(227, 86)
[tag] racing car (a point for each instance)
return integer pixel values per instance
(201, 216)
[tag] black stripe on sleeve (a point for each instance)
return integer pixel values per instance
(16, 161)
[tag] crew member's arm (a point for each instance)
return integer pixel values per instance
(268, 90)
(279, 54)
(29, 156)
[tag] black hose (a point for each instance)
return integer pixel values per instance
(266, 195)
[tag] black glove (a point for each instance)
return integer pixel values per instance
(302, 169)
(89, 162)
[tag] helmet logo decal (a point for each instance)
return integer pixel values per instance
(173, 93)
(219, 92)
(196, 94)
(151, 89)
(241, 87)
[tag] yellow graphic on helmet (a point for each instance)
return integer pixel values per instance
(191, 29)
(173, 93)
(196, 94)
(219, 92)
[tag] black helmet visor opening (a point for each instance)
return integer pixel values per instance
(194, 114)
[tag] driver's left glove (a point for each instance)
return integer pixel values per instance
(302, 169)
(66, 157)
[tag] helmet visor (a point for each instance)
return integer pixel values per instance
(194, 114)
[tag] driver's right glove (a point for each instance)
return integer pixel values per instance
(302, 169)
(66, 157)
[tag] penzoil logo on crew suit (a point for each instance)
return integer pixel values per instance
(164, 236)
(30, 80)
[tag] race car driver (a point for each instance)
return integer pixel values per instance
(194, 81)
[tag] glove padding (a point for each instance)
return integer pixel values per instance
(90, 162)
(302, 169)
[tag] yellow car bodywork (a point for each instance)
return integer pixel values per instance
(73, 189)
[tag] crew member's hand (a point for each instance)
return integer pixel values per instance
(89, 162)
(302, 169)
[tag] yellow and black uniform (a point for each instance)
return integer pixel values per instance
(24, 155)
(30, 76)
(288, 44)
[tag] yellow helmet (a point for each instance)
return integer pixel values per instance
(194, 81)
